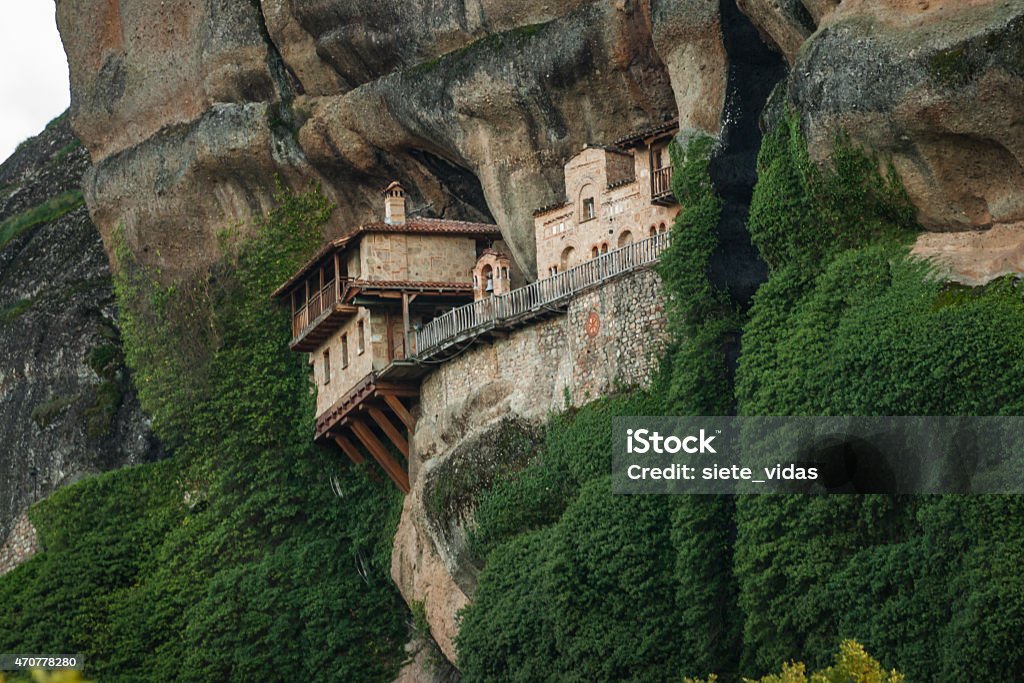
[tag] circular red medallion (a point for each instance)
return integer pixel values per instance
(593, 324)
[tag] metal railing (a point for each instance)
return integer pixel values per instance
(493, 311)
(661, 182)
(321, 300)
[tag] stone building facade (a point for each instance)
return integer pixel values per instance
(610, 338)
(614, 195)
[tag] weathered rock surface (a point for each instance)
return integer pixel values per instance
(66, 405)
(481, 417)
(190, 111)
(934, 87)
(422, 577)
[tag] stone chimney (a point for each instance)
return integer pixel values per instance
(394, 204)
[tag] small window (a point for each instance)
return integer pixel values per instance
(361, 338)
(604, 248)
(327, 366)
(552, 271)
(662, 228)
(594, 252)
(344, 351)
(588, 209)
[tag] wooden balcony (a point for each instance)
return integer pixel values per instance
(320, 315)
(661, 186)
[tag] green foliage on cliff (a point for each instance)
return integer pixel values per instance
(235, 559)
(846, 324)
(12, 312)
(865, 330)
(50, 210)
(580, 584)
(802, 213)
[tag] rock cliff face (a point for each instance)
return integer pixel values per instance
(66, 405)
(937, 89)
(190, 110)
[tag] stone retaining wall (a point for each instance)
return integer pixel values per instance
(21, 544)
(609, 338)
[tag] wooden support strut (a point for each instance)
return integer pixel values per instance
(401, 411)
(392, 432)
(380, 454)
(349, 449)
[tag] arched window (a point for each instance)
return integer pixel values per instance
(662, 228)
(604, 247)
(567, 257)
(594, 251)
(654, 231)
(587, 208)
(626, 237)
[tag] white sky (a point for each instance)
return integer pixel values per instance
(33, 71)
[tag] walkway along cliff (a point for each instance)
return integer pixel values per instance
(385, 305)
(420, 341)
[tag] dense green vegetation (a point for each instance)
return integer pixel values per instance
(859, 329)
(234, 560)
(579, 584)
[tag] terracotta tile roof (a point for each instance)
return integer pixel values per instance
(429, 225)
(424, 226)
(639, 136)
(409, 284)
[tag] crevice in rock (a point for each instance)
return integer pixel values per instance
(754, 69)
(460, 182)
(288, 84)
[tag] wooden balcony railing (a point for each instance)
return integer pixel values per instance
(307, 315)
(524, 302)
(661, 183)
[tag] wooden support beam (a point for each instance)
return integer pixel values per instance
(392, 432)
(406, 390)
(401, 411)
(380, 454)
(349, 449)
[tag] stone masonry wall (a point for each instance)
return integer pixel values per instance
(609, 338)
(21, 544)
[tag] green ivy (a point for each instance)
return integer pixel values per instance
(234, 560)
